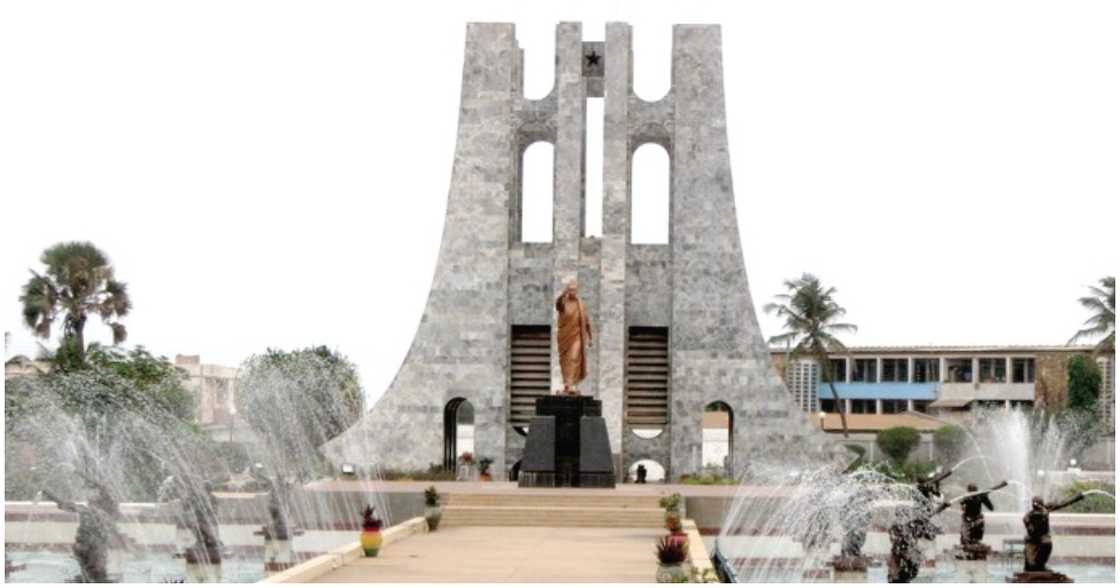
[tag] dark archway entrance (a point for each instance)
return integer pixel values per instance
(458, 421)
(718, 443)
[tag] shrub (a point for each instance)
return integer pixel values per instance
(950, 443)
(1084, 383)
(910, 472)
(671, 502)
(671, 552)
(1094, 503)
(708, 480)
(434, 473)
(234, 455)
(431, 497)
(898, 442)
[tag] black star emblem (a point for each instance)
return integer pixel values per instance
(593, 58)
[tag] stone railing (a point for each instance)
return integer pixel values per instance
(340, 556)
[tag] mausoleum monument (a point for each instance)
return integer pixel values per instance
(673, 325)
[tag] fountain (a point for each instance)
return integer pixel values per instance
(146, 486)
(804, 522)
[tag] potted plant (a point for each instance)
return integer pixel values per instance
(432, 511)
(674, 510)
(670, 557)
(467, 458)
(484, 469)
(371, 533)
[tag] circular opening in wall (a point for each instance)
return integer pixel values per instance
(654, 472)
(647, 432)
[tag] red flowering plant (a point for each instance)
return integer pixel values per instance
(369, 521)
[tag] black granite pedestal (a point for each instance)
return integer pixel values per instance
(567, 445)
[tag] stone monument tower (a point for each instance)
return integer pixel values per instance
(674, 324)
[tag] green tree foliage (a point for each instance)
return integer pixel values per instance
(950, 442)
(1084, 384)
(298, 400)
(898, 442)
(113, 398)
(76, 283)
(1093, 503)
(154, 379)
(1101, 303)
(812, 323)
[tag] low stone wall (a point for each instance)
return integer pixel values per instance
(336, 558)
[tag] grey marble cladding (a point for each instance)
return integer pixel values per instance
(487, 280)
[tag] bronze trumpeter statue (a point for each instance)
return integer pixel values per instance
(97, 533)
(1037, 543)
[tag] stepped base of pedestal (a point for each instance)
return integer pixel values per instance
(567, 445)
(1048, 577)
(974, 552)
(843, 563)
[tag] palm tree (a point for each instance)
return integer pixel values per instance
(812, 317)
(78, 281)
(1102, 304)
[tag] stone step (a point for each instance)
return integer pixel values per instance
(535, 500)
(552, 516)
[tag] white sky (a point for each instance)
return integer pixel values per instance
(275, 173)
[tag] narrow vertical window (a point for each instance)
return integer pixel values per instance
(593, 170)
(649, 198)
(536, 193)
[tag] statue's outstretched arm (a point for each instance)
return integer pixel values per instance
(1080, 496)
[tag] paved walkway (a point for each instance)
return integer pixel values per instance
(511, 554)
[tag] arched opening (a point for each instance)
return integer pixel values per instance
(718, 439)
(536, 193)
(538, 65)
(649, 198)
(654, 472)
(458, 431)
(654, 47)
(647, 431)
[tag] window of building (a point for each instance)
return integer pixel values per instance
(993, 370)
(894, 406)
(922, 405)
(927, 370)
(839, 370)
(1022, 370)
(802, 380)
(862, 406)
(828, 405)
(895, 370)
(865, 370)
(959, 370)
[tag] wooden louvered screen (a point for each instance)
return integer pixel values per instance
(529, 371)
(647, 376)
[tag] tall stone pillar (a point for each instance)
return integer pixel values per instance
(569, 161)
(616, 229)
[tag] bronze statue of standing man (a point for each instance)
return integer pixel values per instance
(573, 338)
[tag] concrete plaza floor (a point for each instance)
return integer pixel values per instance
(511, 554)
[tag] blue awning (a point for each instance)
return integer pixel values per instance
(882, 391)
